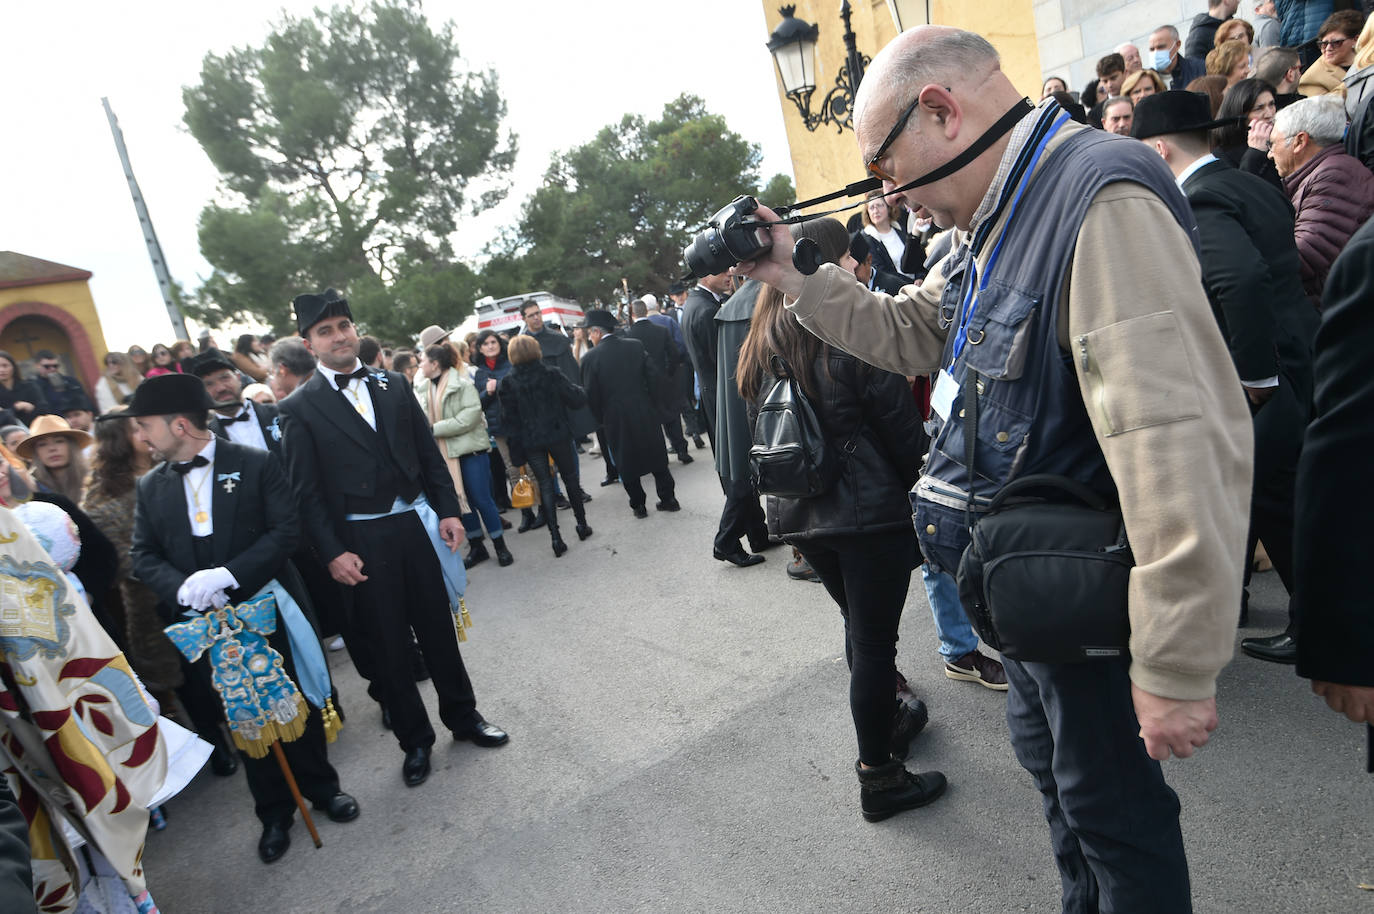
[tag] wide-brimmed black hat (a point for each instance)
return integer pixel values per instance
(209, 362)
(1176, 111)
(313, 307)
(677, 288)
(599, 317)
(167, 395)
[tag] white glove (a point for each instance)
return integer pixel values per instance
(204, 588)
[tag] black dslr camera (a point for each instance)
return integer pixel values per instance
(733, 235)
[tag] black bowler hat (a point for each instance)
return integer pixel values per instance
(209, 362)
(1176, 111)
(312, 307)
(166, 395)
(599, 317)
(677, 288)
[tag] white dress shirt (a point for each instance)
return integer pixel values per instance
(247, 432)
(355, 392)
(198, 486)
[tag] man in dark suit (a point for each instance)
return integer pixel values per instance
(557, 349)
(213, 524)
(59, 392)
(376, 497)
(861, 249)
(692, 419)
(620, 380)
(236, 418)
(1252, 274)
(663, 352)
(699, 331)
(1333, 538)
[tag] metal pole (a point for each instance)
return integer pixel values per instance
(164, 279)
(853, 59)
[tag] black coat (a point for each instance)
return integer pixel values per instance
(1248, 159)
(268, 419)
(256, 526)
(97, 566)
(1251, 271)
(620, 380)
(557, 350)
(1333, 537)
(699, 332)
(332, 455)
(27, 392)
(662, 351)
(535, 402)
(873, 412)
(734, 427)
(491, 402)
(66, 394)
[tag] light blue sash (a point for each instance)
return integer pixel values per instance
(450, 562)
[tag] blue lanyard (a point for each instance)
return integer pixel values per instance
(969, 305)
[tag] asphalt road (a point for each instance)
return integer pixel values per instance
(681, 741)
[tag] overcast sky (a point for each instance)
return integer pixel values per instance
(566, 69)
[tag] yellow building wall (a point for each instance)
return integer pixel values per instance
(826, 160)
(26, 334)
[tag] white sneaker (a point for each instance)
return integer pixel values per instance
(337, 644)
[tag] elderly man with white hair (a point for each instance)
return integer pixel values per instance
(1331, 191)
(1059, 357)
(1131, 54)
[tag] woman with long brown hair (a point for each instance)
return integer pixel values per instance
(857, 534)
(117, 384)
(54, 451)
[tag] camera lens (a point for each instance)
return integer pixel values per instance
(707, 255)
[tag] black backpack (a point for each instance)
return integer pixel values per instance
(789, 456)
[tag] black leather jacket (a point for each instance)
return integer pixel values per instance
(875, 410)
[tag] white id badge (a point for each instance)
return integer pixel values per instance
(942, 397)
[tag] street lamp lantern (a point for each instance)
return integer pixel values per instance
(909, 13)
(793, 46)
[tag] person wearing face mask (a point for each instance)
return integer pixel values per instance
(1166, 58)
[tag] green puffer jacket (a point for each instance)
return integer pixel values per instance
(461, 427)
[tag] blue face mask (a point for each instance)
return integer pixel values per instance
(1159, 60)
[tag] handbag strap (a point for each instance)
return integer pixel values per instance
(970, 409)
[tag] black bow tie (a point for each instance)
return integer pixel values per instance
(241, 417)
(343, 379)
(196, 461)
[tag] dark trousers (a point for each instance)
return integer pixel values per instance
(611, 471)
(405, 591)
(741, 516)
(565, 459)
(868, 577)
(1113, 820)
(673, 432)
(306, 755)
(663, 483)
(1279, 428)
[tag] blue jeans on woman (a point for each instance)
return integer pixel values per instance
(476, 469)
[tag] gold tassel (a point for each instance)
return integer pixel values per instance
(463, 611)
(332, 723)
(458, 627)
(272, 731)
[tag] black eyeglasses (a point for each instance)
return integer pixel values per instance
(1331, 43)
(896, 131)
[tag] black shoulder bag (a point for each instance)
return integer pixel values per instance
(789, 456)
(1044, 579)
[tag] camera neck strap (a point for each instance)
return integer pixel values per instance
(1001, 128)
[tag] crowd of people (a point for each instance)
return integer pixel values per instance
(959, 335)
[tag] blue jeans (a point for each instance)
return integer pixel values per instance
(957, 636)
(476, 469)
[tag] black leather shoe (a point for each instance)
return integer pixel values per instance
(416, 766)
(640, 511)
(684, 458)
(759, 545)
(340, 808)
(223, 762)
(610, 481)
(483, 734)
(667, 505)
(559, 547)
(740, 558)
(583, 531)
(561, 503)
(586, 496)
(696, 439)
(477, 552)
(276, 838)
(503, 556)
(1280, 648)
(386, 718)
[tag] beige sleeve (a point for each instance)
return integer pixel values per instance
(1168, 409)
(900, 334)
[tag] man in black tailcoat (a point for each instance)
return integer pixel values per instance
(663, 352)
(1334, 499)
(620, 380)
(215, 523)
(1252, 274)
(376, 495)
(699, 330)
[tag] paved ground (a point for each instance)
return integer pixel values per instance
(681, 742)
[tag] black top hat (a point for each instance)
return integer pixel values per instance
(166, 395)
(312, 307)
(599, 317)
(859, 248)
(1176, 111)
(677, 288)
(209, 362)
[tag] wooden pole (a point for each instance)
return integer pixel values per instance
(295, 792)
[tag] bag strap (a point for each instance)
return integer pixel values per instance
(970, 408)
